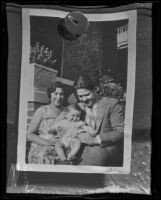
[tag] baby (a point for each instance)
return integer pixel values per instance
(69, 128)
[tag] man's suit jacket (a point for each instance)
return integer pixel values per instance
(110, 127)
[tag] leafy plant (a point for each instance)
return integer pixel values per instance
(41, 54)
(109, 88)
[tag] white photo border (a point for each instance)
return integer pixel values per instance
(24, 89)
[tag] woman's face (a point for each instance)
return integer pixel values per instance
(57, 97)
(88, 97)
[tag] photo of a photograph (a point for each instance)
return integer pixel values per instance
(76, 91)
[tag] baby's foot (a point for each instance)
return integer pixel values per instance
(71, 156)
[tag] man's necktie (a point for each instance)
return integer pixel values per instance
(91, 121)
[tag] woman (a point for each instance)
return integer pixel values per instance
(42, 149)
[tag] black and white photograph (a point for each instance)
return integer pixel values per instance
(79, 99)
(76, 91)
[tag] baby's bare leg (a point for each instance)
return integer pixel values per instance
(75, 146)
(59, 148)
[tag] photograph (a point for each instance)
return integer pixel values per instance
(77, 88)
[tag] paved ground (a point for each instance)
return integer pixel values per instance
(138, 181)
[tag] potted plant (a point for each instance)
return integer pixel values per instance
(42, 72)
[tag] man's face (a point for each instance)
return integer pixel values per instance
(88, 97)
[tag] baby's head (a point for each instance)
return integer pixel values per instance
(73, 113)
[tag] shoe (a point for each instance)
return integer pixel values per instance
(76, 161)
(65, 162)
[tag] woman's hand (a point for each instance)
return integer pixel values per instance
(52, 131)
(45, 142)
(53, 140)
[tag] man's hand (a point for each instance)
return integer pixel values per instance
(90, 130)
(93, 133)
(88, 139)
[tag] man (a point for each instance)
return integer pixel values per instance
(105, 116)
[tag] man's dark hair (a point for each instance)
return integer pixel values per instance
(84, 82)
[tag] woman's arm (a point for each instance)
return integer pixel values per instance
(33, 128)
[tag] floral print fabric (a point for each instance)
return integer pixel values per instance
(39, 154)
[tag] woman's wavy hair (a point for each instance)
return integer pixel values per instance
(84, 82)
(53, 87)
